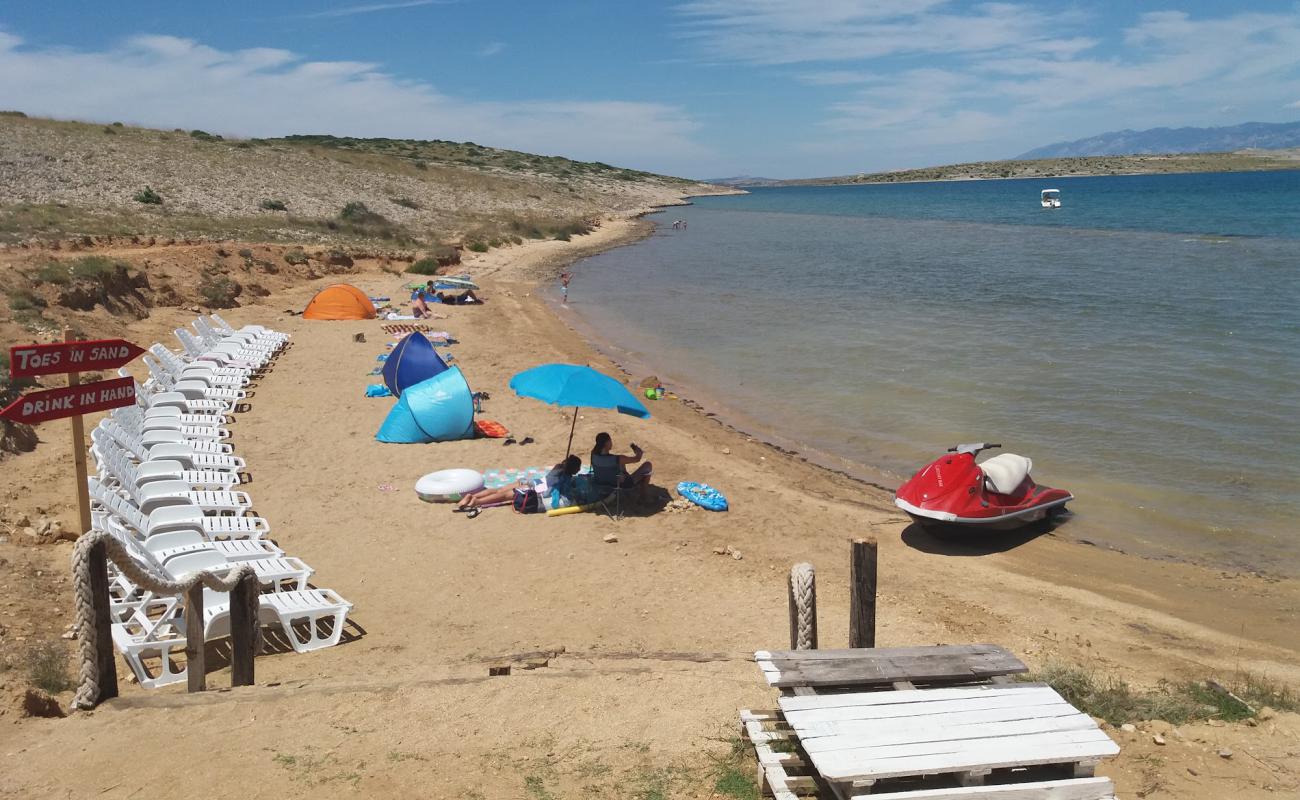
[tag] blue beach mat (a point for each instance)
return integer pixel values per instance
(702, 495)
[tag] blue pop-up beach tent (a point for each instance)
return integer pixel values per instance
(413, 360)
(440, 409)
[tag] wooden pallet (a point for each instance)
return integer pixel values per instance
(962, 734)
(884, 666)
(782, 772)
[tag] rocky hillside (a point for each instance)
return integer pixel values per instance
(1244, 161)
(59, 179)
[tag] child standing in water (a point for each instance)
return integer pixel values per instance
(564, 284)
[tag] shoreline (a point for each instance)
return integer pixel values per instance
(1134, 569)
(878, 478)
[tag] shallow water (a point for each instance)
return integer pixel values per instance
(1141, 344)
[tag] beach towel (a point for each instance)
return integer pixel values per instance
(378, 390)
(490, 430)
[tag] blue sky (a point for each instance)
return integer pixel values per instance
(703, 88)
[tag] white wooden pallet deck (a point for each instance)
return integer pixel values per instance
(860, 738)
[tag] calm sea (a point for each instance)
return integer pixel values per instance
(1141, 343)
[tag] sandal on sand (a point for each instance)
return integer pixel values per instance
(509, 440)
(527, 440)
(474, 512)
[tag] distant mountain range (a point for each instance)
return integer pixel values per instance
(743, 180)
(1265, 135)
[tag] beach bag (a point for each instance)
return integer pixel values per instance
(528, 501)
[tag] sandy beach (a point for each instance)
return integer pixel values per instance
(640, 647)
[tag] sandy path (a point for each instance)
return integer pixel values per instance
(406, 707)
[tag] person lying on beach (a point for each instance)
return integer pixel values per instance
(610, 470)
(419, 307)
(559, 478)
(463, 299)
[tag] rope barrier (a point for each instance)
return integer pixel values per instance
(143, 576)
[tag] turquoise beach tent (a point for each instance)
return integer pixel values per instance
(413, 360)
(440, 409)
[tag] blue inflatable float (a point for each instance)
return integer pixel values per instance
(440, 409)
(413, 360)
(702, 495)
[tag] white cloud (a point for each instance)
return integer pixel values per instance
(491, 49)
(371, 8)
(803, 31)
(933, 81)
(172, 82)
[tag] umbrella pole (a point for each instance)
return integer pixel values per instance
(572, 428)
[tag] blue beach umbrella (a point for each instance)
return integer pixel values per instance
(580, 387)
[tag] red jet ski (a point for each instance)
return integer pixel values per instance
(953, 491)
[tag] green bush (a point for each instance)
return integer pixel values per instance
(273, 205)
(295, 257)
(245, 253)
(478, 247)
(148, 196)
(425, 266)
(358, 213)
(24, 301)
(218, 291)
(1116, 702)
(204, 136)
(47, 668)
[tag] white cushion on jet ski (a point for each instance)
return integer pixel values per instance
(1005, 472)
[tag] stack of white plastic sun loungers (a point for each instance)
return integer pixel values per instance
(167, 490)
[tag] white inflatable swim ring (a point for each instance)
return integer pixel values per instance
(448, 485)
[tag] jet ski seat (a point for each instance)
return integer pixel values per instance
(1005, 472)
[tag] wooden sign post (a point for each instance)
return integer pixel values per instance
(72, 357)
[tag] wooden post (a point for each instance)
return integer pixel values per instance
(103, 623)
(862, 594)
(243, 630)
(794, 609)
(196, 666)
(79, 449)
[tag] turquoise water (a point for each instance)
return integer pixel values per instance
(1141, 344)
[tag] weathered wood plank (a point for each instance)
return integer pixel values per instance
(919, 725)
(871, 666)
(1071, 789)
(909, 697)
(943, 736)
(884, 714)
(849, 765)
(975, 648)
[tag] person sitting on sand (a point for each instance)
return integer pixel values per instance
(559, 478)
(419, 307)
(609, 469)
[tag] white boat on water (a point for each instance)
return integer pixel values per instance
(1051, 198)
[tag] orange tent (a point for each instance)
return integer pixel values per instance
(340, 301)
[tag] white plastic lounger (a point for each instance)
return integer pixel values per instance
(180, 451)
(180, 516)
(226, 355)
(160, 494)
(267, 334)
(175, 365)
(212, 338)
(142, 638)
(151, 438)
(130, 418)
(114, 461)
(166, 377)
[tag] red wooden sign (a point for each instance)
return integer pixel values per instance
(71, 401)
(29, 360)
